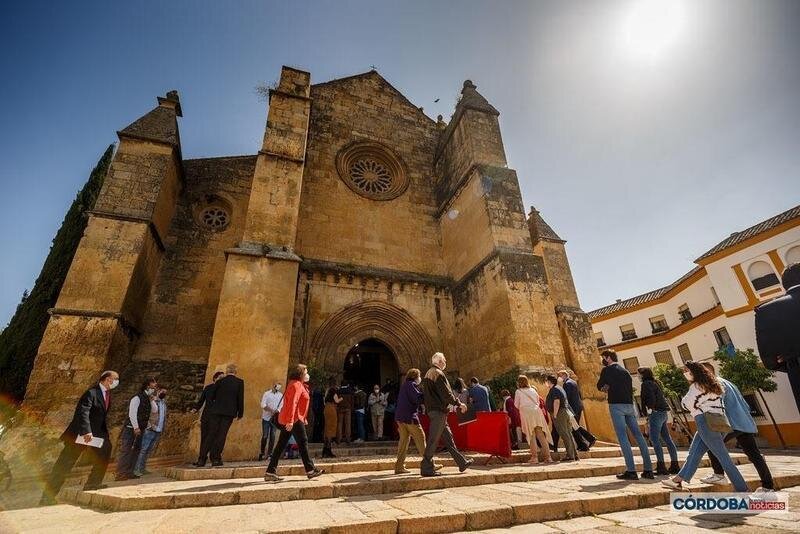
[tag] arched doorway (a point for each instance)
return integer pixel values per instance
(370, 362)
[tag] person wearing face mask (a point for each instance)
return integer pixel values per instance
(155, 427)
(89, 421)
(377, 402)
(704, 400)
(271, 403)
(617, 382)
(408, 401)
(438, 396)
(130, 441)
(292, 419)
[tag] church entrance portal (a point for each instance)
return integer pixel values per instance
(370, 362)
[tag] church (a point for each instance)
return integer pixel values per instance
(361, 237)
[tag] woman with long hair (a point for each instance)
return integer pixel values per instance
(292, 420)
(704, 402)
(653, 399)
(532, 419)
(332, 399)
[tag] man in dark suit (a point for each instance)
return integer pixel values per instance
(205, 404)
(227, 399)
(778, 330)
(89, 421)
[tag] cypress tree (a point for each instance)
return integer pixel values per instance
(19, 341)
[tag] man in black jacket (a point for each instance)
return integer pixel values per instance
(88, 422)
(227, 399)
(130, 440)
(438, 396)
(778, 330)
(204, 403)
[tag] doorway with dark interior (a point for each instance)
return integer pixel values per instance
(371, 363)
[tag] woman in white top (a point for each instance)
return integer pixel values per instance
(704, 397)
(532, 419)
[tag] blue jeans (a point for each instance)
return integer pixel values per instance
(705, 440)
(360, 430)
(149, 440)
(657, 421)
(623, 417)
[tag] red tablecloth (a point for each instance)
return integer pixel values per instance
(489, 434)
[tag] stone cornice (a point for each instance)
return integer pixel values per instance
(96, 314)
(131, 218)
(346, 269)
(264, 250)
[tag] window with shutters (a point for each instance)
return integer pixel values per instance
(631, 364)
(684, 352)
(658, 324)
(628, 332)
(684, 313)
(664, 356)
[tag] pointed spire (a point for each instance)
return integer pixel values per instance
(540, 230)
(472, 99)
(160, 124)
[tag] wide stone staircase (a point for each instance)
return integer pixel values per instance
(360, 493)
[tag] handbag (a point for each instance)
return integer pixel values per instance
(717, 422)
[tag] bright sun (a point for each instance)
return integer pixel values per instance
(652, 26)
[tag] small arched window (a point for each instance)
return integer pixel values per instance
(793, 255)
(761, 275)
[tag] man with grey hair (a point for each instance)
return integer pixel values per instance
(227, 402)
(438, 397)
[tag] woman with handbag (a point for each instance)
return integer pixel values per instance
(704, 402)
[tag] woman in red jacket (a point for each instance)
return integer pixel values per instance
(292, 421)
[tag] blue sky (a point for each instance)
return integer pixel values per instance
(641, 156)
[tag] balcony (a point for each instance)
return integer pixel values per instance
(601, 343)
(627, 336)
(657, 329)
(685, 316)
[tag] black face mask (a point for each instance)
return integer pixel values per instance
(162, 396)
(604, 362)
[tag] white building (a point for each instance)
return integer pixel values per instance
(710, 307)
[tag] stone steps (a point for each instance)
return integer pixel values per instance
(448, 509)
(346, 465)
(157, 492)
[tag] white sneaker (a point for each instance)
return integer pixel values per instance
(764, 490)
(671, 484)
(713, 478)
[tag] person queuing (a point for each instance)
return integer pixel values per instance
(617, 382)
(359, 409)
(408, 402)
(292, 419)
(332, 398)
(89, 421)
(705, 404)
(653, 399)
(778, 330)
(227, 403)
(377, 402)
(744, 429)
(513, 419)
(556, 402)
(271, 402)
(532, 419)
(139, 410)
(438, 396)
(205, 403)
(573, 392)
(478, 396)
(153, 432)
(344, 414)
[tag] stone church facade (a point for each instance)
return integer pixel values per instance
(360, 222)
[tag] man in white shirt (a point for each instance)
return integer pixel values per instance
(271, 403)
(135, 424)
(151, 436)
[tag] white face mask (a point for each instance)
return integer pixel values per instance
(278, 387)
(149, 392)
(306, 377)
(418, 380)
(114, 384)
(688, 377)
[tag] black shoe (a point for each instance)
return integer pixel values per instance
(216, 464)
(466, 465)
(199, 464)
(315, 473)
(122, 477)
(94, 487)
(674, 468)
(260, 458)
(434, 474)
(628, 475)
(661, 469)
(271, 477)
(648, 474)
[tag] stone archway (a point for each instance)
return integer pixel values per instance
(370, 319)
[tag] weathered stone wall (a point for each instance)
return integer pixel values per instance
(559, 275)
(183, 304)
(340, 225)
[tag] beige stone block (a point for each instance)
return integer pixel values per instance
(501, 516)
(432, 524)
(546, 510)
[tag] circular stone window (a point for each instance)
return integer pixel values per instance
(212, 213)
(372, 171)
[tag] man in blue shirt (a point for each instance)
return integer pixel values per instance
(478, 395)
(744, 429)
(153, 432)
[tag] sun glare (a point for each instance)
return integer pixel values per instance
(651, 27)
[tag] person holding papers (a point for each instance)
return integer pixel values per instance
(87, 432)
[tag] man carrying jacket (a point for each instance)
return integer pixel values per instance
(438, 397)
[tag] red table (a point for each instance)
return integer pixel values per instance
(489, 434)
